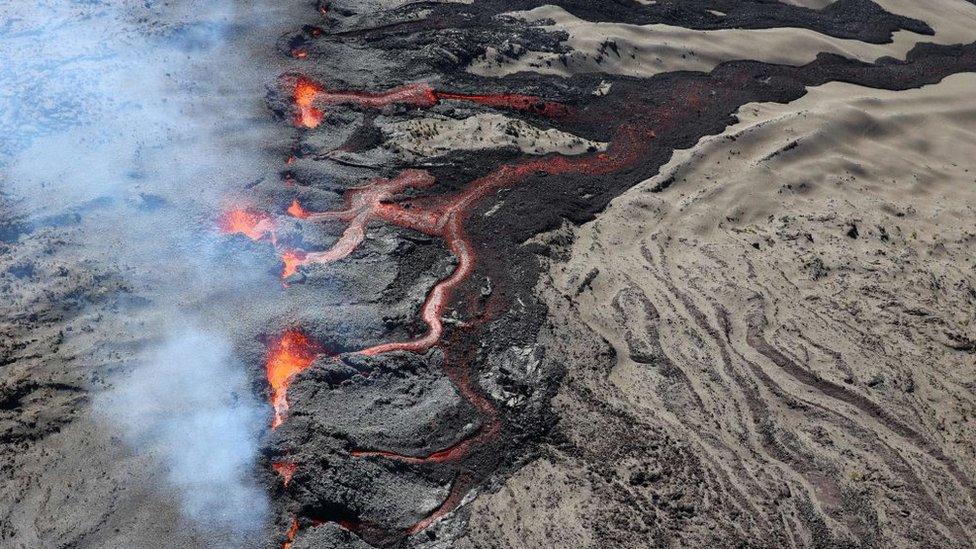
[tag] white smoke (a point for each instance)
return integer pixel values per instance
(137, 119)
(190, 407)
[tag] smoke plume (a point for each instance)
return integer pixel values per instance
(191, 408)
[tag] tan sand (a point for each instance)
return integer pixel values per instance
(809, 383)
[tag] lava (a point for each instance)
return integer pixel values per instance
(254, 225)
(290, 354)
(308, 92)
(304, 95)
(292, 259)
(296, 210)
(285, 469)
(290, 535)
(443, 216)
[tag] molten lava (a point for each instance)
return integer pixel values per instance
(291, 353)
(304, 95)
(252, 224)
(441, 216)
(292, 259)
(296, 210)
(285, 469)
(290, 535)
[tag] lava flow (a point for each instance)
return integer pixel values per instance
(443, 216)
(290, 354)
(307, 92)
(304, 95)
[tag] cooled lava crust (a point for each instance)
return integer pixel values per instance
(385, 427)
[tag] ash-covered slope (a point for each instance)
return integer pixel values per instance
(447, 358)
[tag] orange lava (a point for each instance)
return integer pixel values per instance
(292, 259)
(292, 532)
(304, 95)
(528, 103)
(296, 210)
(285, 469)
(442, 216)
(299, 53)
(290, 354)
(252, 224)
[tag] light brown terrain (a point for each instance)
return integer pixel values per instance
(778, 343)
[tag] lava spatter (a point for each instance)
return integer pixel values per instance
(290, 534)
(296, 210)
(290, 354)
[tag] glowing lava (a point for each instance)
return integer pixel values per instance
(296, 210)
(441, 216)
(254, 225)
(304, 95)
(285, 469)
(290, 535)
(290, 354)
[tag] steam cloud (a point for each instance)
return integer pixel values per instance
(128, 119)
(192, 409)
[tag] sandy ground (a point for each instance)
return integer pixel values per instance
(777, 348)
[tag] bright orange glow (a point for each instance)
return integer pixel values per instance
(254, 225)
(285, 469)
(299, 53)
(292, 532)
(305, 93)
(290, 354)
(292, 260)
(296, 210)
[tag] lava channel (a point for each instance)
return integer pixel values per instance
(307, 93)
